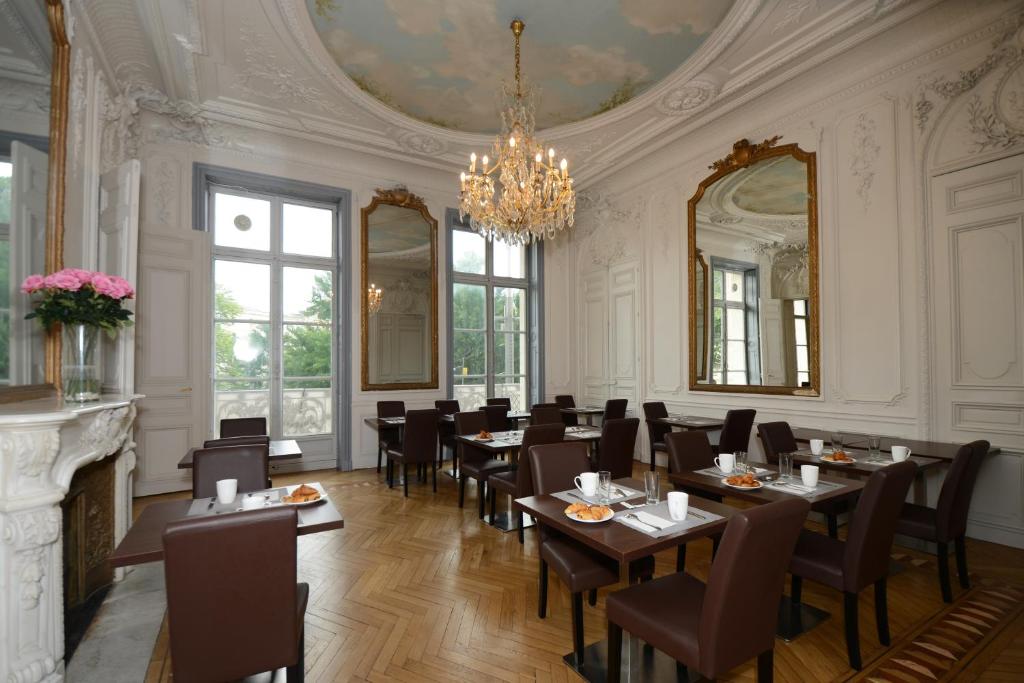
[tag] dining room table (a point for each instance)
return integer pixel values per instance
(625, 539)
(860, 462)
(281, 450)
(940, 450)
(586, 412)
(144, 540)
(690, 422)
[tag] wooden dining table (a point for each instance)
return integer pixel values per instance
(860, 465)
(940, 450)
(282, 450)
(688, 422)
(624, 544)
(144, 540)
(586, 412)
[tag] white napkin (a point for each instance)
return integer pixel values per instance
(653, 520)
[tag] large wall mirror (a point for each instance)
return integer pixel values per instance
(34, 55)
(399, 294)
(753, 252)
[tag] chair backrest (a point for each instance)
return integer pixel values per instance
(497, 417)
(535, 435)
(689, 451)
(655, 430)
(736, 431)
(243, 426)
(419, 443)
(741, 600)
(955, 496)
(466, 423)
(615, 409)
(500, 401)
(546, 413)
(869, 539)
(447, 406)
(232, 598)
(567, 401)
(776, 438)
(248, 464)
(553, 467)
(390, 408)
(237, 441)
(615, 450)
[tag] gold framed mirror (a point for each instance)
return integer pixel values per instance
(753, 273)
(33, 134)
(399, 293)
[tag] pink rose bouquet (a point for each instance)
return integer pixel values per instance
(80, 297)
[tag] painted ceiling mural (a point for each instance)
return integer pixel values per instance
(777, 188)
(444, 61)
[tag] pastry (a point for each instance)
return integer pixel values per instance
(303, 494)
(745, 480)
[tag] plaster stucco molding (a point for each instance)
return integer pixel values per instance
(866, 151)
(22, 96)
(691, 97)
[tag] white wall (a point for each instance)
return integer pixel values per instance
(883, 119)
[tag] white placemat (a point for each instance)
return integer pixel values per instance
(210, 506)
(796, 488)
(658, 514)
(715, 472)
(621, 493)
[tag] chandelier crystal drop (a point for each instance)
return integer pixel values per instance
(523, 194)
(374, 298)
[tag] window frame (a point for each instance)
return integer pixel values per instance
(751, 327)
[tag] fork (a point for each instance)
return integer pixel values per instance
(630, 515)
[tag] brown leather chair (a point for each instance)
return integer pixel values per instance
(237, 441)
(947, 522)
(614, 409)
(250, 465)
(567, 401)
(518, 483)
(776, 438)
(553, 468)
(863, 559)
(717, 626)
(497, 417)
(417, 447)
(243, 426)
(545, 414)
(615, 449)
(689, 451)
(388, 436)
(475, 463)
(735, 434)
(234, 608)
(500, 401)
(656, 431)
(446, 430)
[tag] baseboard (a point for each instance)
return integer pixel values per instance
(1003, 535)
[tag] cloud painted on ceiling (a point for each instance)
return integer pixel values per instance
(777, 187)
(444, 61)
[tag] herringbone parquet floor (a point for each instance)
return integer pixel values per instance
(417, 590)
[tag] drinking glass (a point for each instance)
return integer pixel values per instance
(837, 442)
(875, 448)
(786, 465)
(651, 487)
(604, 486)
(741, 461)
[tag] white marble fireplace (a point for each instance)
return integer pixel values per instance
(42, 444)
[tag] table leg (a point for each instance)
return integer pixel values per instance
(640, 663)
(797, 619)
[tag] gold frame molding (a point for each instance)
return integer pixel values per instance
(55, 191)
(405, 199)
(744, 154)
(702, 371)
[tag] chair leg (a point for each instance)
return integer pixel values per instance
(493, 500)
(714, 546)
(612, 675)
(390, 473)
(405, 479)
(796, 589)
(766, 666)
(380, 453)
(942, 559)
(519, 526)
(960, 545)
(433, 475)
(462, 491)
(577, 627)
(542, 592)
(481, 492)
(653, 459)
(882, 612)
(833, 526)
(852, 631)
(681, 558)
(296, 673)
(592, 597)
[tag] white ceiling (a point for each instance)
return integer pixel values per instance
(261, 63)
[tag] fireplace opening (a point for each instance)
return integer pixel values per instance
(88, 532)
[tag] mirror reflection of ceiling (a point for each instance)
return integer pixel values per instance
(25, 55)
(777, 188)
(444, 61)
(398, 235)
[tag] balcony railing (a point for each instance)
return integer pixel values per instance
(306, 411)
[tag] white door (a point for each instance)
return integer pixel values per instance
(29, 179)
(119, 255)
(977, 256)
(594, 339)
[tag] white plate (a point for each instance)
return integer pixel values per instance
(742, 488)
(825, 458)
(573, 517)
(479, 440)
(303, 504)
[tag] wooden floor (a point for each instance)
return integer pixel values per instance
(417, 590)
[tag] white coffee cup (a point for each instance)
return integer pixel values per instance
(587, 483)
(900, 453)
(253, 502)
(809, 474)
(725, 462)
(678, 504)
(227, 489)
(817, 445)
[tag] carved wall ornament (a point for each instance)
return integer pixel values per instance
(609, 228)
(31, 98)
(33, 453)
(793, 13)
(264, 76)
(421, 143)
(31, 573)
(989, 129)
(743, 153)
(165, 192)
(865, 153)
(107, 431)
(32, 528)
(690, 98)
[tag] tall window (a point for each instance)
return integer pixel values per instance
(734, 350)
(795, 315)
(274, 272)
(490, 315)
(6, 286)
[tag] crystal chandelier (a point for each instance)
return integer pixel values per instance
(521, 196)
(374, 298)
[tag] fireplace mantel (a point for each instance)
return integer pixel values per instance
(42, 444)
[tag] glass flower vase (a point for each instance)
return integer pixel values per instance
(80, 370)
